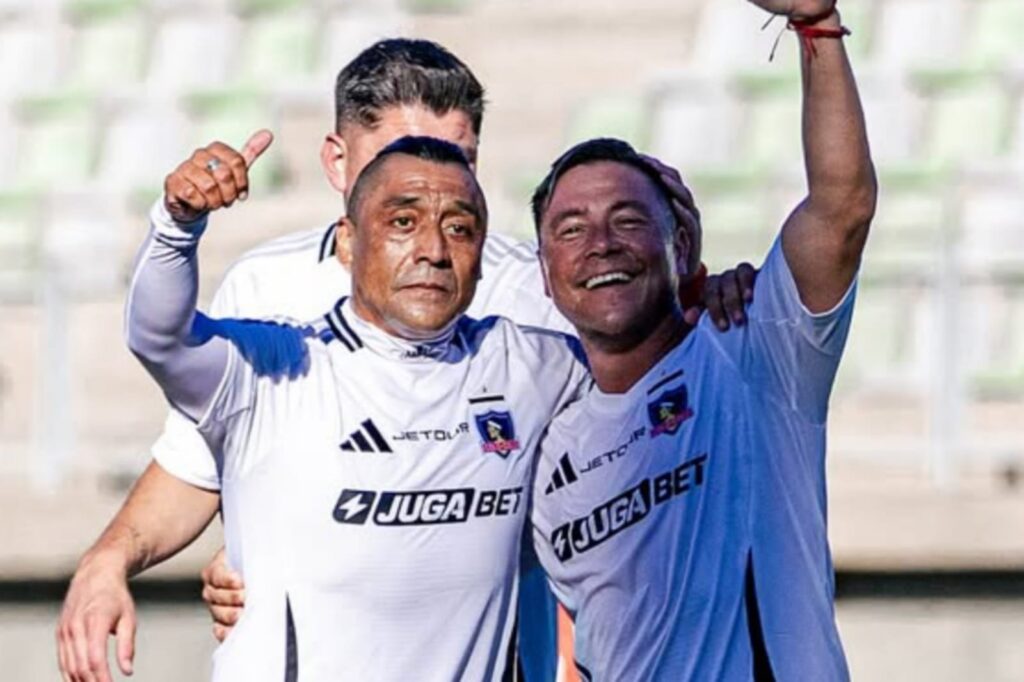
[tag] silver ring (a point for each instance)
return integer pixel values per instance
(212, 165)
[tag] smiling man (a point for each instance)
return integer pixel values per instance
(680, 506)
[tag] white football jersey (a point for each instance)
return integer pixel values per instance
(297, 277)
(375, 505)
(683, 523)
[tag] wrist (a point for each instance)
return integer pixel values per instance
(830, 19)
(105, 560)
(164, 223)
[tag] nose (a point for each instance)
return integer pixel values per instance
(432, 247)
(602, 240)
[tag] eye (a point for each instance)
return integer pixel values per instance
(569, 230)
(459, 229)
(403, 222)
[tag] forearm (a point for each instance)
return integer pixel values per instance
(161, 516)
(840, 176)
(824, 237)
(161, 315)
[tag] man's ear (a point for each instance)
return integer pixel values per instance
(684, 251)
(334, 160)
(344, 241)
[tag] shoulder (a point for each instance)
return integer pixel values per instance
(284, 255)
(496, 331)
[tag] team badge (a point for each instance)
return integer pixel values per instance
(498, 433)
(669, 410)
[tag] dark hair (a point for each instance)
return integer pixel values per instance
(426, 148)
(597, 149)
(401, 71)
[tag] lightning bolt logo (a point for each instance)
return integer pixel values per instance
(354, 506)
(560, 541)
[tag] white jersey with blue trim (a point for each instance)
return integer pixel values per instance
(375, 505)
(297, 277)
(683, 523)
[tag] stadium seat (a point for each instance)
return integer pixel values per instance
(999, 373)
(57, 139)
(894, 114)
(728, 37)
(26, 42)
(108, 43)
(770, 136)
(993, 226)
(995, 33)
(279, 43)
(154, 125)
(914, 209)
(917, 32)
(192, 50)
(626, 117)
(736, 216)
(968, 115)
(694, 122)
(19, 245)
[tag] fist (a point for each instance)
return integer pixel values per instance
(213, 177)
(800, 10)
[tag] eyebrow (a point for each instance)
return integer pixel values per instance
(401, 201)
(631, 203)
(469, 208)
(567, 213)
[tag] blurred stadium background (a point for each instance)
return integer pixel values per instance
(99, 99)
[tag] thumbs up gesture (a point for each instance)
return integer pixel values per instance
(214, 176)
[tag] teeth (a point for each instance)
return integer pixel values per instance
(607, 278)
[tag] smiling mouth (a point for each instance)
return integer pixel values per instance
(608, 278)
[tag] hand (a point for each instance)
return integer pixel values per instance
(726, 296)
(97, 604)
(684, 208)
(799, 10)
(213, 177)
(224, 594)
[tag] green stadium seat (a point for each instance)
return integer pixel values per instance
(772, 112)
(57, 142)
(626, 117)
(736, 216)
(1000, 376)
(278, 47)
(996, 33)
(108, 42)
(19, 245)
(693, 123)
(969, 115)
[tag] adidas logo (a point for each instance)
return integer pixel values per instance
(366, 439)
(564, 475)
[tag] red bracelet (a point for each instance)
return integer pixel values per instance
(809, 33)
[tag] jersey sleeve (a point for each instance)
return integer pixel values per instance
(786, 348)
(181, 450)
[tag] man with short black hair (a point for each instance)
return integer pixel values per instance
(679, 507)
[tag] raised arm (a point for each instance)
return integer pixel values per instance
(824, 237)
(178, 346)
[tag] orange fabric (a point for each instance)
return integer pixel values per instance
(565, 647)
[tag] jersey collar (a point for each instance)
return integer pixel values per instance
(664, 373)
(356, 333)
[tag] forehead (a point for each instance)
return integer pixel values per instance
(416, 120)
(602, 183)
(412, 177)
